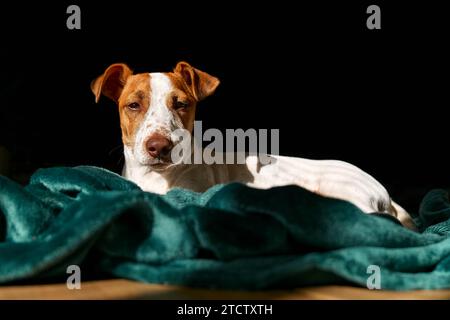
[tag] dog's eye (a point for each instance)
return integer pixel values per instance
(134, 106)
(180, 104)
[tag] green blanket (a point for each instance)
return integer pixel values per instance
(231, 236)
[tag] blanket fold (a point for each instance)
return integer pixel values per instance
(231, 236)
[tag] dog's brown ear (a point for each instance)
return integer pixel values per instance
(200, 83)
(111, 82)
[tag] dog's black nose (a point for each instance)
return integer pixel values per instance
(158, 146)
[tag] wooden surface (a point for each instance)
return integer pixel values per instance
(125, 289)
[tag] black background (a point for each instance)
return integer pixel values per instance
(376, 98)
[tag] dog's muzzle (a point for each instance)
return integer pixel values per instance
(159, 147)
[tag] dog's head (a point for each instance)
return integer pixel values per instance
(154, 105)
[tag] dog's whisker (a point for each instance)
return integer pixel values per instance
(119, 147)
(121, 160)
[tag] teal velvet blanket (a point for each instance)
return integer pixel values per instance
(231, 236)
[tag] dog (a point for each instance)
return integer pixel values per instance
(152, 106)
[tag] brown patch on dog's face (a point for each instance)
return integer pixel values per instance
(181, 101)
(133, 105)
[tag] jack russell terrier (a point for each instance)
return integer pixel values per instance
(153, 105)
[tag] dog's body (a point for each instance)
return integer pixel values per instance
(330, 178)
(153, 106)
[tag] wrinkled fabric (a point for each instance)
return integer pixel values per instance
(230, 237)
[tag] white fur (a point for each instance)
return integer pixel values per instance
(159, 118)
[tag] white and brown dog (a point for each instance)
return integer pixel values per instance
(153, 105)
